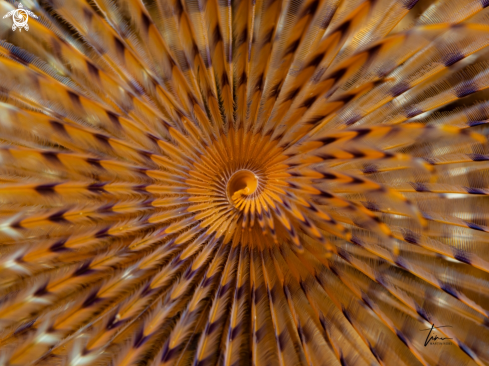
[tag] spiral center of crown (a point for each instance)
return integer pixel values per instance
(241, 183)
(235, 183)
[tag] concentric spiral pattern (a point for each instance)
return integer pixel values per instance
(233, 182)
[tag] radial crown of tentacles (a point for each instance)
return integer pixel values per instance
(234, 182)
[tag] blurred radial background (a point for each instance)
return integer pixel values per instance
(244, 182)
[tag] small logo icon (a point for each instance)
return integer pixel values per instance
(20, 17)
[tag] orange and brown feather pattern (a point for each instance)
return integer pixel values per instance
(238, 182)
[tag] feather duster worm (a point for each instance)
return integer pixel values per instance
(233, 182)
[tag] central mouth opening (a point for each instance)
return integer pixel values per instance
(243, 182)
